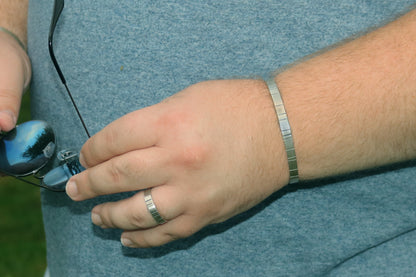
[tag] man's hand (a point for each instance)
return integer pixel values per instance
(208, 153)
(215, 149)
(15, 73)
(15, 69)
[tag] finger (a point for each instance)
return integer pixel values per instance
(14, 76)
(131, 132)
(135, 170)
(10, 98)
(9, 109)
(181, 227)
(132, 213)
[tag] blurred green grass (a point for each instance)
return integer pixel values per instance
(22, 240)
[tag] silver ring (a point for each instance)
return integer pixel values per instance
(151, 207)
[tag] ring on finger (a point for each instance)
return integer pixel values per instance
(151, 207)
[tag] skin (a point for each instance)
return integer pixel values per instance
(215, 150)
(189, 154)
(15, 71)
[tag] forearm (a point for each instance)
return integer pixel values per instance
(354, 107)
(13, 16)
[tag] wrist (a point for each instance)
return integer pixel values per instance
(14, 36)
(17, 55)
(274, 146)
(285, 130)
(352, 107)
(14, 53)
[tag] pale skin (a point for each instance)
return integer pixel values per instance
(15, 71)
(215, 150)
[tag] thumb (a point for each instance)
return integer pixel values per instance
(15, 75)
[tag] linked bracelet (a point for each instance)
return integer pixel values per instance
(285, 130)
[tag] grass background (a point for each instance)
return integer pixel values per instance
(22, 240)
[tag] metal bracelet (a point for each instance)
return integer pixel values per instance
(285, 130)
(4, 30)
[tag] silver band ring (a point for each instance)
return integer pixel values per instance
(151, 207)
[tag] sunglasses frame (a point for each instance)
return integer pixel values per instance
(55, 179)
(57, 10)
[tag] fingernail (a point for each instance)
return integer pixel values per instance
(10, 116)
(127, 242)
(82, 160)
(96, 219)
(72, 189)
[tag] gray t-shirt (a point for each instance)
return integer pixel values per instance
(119, 56)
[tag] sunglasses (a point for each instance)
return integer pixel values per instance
(28, 149)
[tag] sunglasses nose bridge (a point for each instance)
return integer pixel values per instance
(57, 178)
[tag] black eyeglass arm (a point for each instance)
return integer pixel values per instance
(30, 182)
(77, 110)
(57, 10)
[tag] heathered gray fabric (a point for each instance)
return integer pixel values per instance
(119, 56)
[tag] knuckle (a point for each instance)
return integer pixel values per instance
(181, 232)
(102, 215)
(172, 237)
(110, 136)
(145, 242)
(92, 150)
(182, 127)
(193, 155)
(89, 186)
(162, 239)
(128, 167)
(175, 120)
(116, 170)
(9, 96)
(10, 100)
(134, 166)
(107, 216)
(137, 220)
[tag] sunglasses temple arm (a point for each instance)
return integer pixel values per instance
(30, 182)
(77, 110)
(57, 10)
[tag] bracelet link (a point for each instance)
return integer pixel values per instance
(285, 130)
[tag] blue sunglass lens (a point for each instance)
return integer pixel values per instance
(27, 148)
